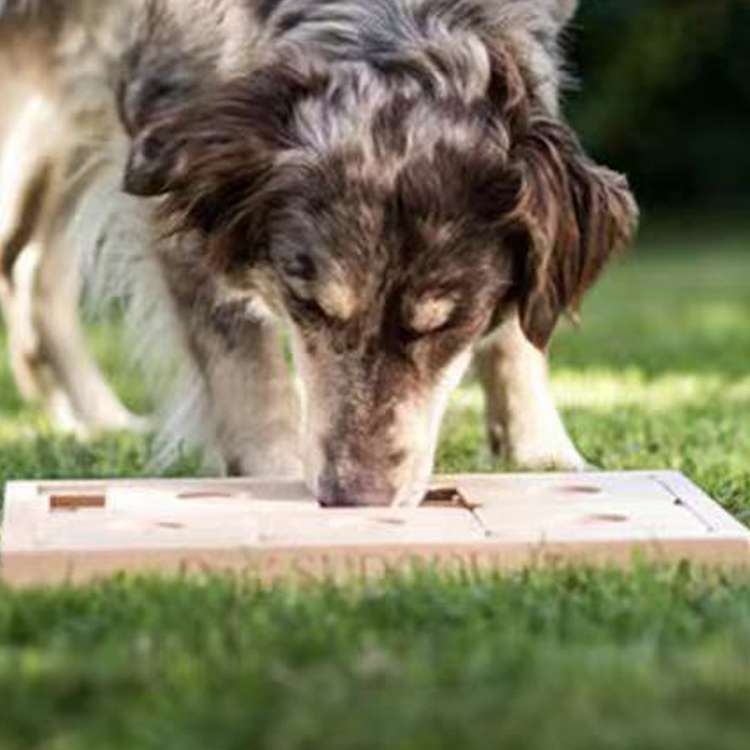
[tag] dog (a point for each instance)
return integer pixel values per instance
(389, 181)
(56, 113)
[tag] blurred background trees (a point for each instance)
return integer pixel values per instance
(665, 97)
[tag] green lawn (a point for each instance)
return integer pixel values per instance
(658, 376)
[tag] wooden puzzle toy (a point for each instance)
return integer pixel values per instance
(57, 532)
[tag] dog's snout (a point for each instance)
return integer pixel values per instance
(337, 493)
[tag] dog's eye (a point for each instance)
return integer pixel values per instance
(413, 336)
(306, 310)
(299, 267)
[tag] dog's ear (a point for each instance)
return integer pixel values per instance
(216, 159)
(212, 170)
(562, 215)
(243, 114)
(570, 217)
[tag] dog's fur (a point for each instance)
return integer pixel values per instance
(56, 114)
(390, 179)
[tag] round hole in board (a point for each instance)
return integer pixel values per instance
(606, 518)
(581, 489)
(203, 495)
(170, 525)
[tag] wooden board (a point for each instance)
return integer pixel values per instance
(57, 532)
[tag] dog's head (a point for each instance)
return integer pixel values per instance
(392, 217)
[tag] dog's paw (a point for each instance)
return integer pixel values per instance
(534, 446)
(563, 457)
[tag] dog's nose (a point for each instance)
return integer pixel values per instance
(338, 494)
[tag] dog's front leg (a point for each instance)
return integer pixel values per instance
(251, 397)
(523, 423)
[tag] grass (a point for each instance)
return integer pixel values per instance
(658, 376)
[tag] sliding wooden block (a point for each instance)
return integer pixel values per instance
(74, 532)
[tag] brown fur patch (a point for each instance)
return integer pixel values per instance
(574, 216)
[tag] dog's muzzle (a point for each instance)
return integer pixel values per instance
(353, 493)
